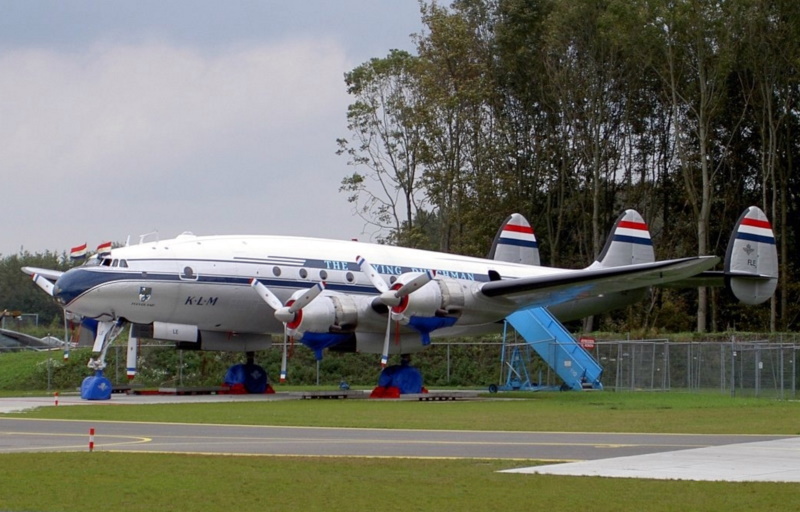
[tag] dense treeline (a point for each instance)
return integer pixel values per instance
(569, 112)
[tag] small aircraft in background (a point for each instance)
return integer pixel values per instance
(233, 293)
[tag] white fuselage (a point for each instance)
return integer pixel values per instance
(204, 282)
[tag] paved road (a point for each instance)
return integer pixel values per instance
(47, 435)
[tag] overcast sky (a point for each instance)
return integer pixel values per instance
(121, 118)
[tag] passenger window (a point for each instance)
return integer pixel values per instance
(123, 263)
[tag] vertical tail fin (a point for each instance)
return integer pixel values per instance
(628, 244)
(515, 242)
(751, 263)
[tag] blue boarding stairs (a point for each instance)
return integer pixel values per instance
(556, 346)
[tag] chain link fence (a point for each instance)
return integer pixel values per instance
(740, 368)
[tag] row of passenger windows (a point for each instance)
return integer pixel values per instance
(189, 273)
(323, 275)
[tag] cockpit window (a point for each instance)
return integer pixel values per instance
(92, 262)
(106, 262)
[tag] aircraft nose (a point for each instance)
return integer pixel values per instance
(70, 285)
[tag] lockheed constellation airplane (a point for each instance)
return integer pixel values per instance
(234, 292)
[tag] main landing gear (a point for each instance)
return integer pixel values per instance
(97, 387)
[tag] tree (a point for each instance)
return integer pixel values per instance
(384, 123)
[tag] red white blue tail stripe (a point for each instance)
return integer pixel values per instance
(632, 232)
(755, 230)
(518, 234)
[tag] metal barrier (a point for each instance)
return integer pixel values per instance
(752, 368)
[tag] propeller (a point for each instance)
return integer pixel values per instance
(392, 297)
(290, 314)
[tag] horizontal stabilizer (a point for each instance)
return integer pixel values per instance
(751, 263)
(51, 275)
(515, 242)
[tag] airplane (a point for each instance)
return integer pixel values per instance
(233, 293)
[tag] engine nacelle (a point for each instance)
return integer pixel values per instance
(334, 312)
(438, 298)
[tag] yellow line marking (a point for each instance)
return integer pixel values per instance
(378, 429)
(308, 456)
(129, 440)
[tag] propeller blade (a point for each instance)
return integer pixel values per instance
(373, 276)
(283, 357)
(265, 293)
(307, 297)
(385, 352)
(43, 283)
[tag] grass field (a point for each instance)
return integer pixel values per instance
(77, 481)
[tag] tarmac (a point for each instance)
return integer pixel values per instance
(773, 460)
(764, 461)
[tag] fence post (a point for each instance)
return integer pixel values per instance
(733, 367)
(448, 363)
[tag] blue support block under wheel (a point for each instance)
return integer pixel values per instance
(96, 387)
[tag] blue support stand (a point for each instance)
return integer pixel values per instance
(96, 387)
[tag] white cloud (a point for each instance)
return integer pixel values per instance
(121, 128)
(155, 104)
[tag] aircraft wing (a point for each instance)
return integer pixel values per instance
(50, 275)
(563, 287)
